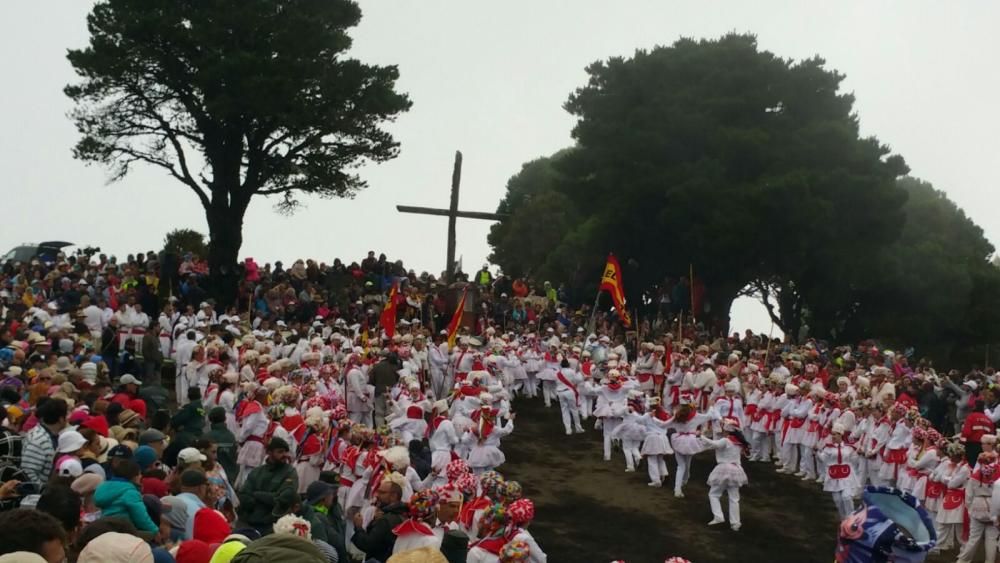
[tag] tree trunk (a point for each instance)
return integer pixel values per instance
(225, 227)
(722, 298)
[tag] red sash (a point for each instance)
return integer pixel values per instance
(953, 498)
(732, 405)
(566, 382)
(751, 412)
(675, 395)
(797, 422)
(894, 456)
(934, 489)
(772, 419)
(704, 396)
(644, 377)
(839, 470)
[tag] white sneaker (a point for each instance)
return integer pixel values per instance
(654, 484)
(579, 430)
(819, 479)
(716, 521)
(629, 470)
(735, 527)
(800, 474)
(807, 478)
(678, 494)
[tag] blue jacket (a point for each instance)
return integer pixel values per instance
(121, 499)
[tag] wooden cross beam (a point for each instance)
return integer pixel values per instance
(452, 213)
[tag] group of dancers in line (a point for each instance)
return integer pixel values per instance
(844, 436)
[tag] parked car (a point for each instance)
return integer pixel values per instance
(44, 252)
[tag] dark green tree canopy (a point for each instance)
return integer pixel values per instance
(179, 241)
(712, 153)
(935, 287)
(233, 98)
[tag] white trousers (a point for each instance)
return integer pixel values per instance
(437, 383)
(361, 417)
(181, 387)
(531, 386)
(763, 448)
(807, 456)
(715, 501)
(683, 470)
(548, 391)
(632, 455)
(949, 535)
(657, 467)
(570, 412)
(844, 503)
(789, 456)
(609, 425)
(980, 531)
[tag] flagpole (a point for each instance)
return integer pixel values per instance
(694, 315)
(638, 332)
(767, 352)
(593, 312)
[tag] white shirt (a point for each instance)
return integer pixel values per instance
(93, 317)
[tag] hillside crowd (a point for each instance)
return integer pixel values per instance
(297, 427)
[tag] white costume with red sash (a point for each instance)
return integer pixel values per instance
(951, 515)
(894, 453)
(841, 479)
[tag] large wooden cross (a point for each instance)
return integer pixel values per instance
(452, 213)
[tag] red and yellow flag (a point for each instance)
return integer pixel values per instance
(456, 319)
(612, 282)
(388, 317)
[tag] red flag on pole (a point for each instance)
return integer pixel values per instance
(388, 318)
(612, 282)
(456, 319)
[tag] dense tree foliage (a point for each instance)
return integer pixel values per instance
(935, 287)
(711, 153)
(234, 99)
(180, 241)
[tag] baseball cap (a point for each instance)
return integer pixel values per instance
(190, 455)
(129, 378)
(70, 467)
(150, 436)
(120, 451)
(317, 490)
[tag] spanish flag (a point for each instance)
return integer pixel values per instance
(388, 318)
(612, 282)
(456, 319)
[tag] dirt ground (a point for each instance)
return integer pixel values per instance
(589, 510)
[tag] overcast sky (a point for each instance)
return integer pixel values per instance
(489, 79)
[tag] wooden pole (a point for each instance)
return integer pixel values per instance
(767, 352)
(456, 180)
(591, 325)
(694, 315)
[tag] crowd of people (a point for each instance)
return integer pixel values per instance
(299, 426)
(299, 429)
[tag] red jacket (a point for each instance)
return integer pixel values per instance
(976, 425)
